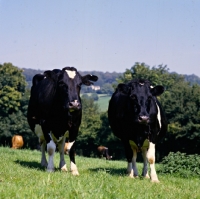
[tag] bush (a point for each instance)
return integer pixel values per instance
(181, 164)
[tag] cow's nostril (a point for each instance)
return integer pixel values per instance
(143, 118)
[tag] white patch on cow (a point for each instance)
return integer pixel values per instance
(38, 131)
(151, 159)
(51, 147)
(54, 138)
(69, 145)
(133, 145)
(158, 115)
(71, 74)
(73, 169)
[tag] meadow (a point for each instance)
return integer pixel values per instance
(21, 176)
(103, 102)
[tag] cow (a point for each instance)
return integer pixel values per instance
(103, 152)
(136, 117)
(17, 142)
(55, 112)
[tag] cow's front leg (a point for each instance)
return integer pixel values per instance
(129, 156)
(51, 147)
(151, 159)
(135, 171)
(62, 164)
(73, 167)
(145, 163)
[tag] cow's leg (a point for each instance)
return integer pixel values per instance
(73, 167)
(134, 166)
(151, 159)
(129, 156)
(145, 163)
(42, 141)
(61, 146)
(43, 159)
(51, 148)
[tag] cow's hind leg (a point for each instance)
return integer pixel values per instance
(51, 147)
(151, 159)
(43, 159)
(61, 146)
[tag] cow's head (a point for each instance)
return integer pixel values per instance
(143, 98)
(69, 84)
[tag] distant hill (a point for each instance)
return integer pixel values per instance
(103, 77)
(193, 79)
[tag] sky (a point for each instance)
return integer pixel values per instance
(101, 35)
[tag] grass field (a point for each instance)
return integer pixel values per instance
(103, 102)
(21, 176)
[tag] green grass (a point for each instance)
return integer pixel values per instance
(103, 102)
(21, 176)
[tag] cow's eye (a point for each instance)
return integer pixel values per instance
(133, 97)
(149, 98)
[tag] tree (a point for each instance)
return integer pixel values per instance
(13, 105)
(91, 123)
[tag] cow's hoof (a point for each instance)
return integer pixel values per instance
(44, 164)
(50, 170)
(64, 168)
(75, 173)
(147, 176)
(130, 175)
(155, 181)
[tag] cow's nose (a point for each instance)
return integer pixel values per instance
(74, 104)
(143, 119)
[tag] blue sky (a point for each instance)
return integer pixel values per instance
(101, 35)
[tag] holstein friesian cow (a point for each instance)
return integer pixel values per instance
(136, 117)
(103, 152)
(55, 111)
(17, 142)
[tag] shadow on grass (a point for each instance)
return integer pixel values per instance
(31, 165)
(111, 171)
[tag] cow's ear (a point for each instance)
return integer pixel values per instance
(88, 78)
(157, 90)
(123, 88)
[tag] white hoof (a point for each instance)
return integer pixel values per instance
(64, 168)
(75, 173)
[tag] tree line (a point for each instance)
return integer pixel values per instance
(180, 101)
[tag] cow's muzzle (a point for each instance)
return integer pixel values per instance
(74, 105)
(143, 119)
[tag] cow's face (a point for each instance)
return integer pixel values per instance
(70, 83)
(143, 99)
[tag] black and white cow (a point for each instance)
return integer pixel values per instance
(55, 111)
(136, 117)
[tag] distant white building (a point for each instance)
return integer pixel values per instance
(96, 88)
